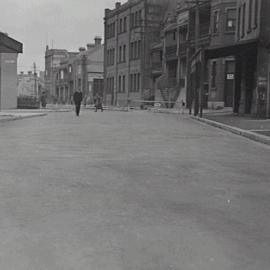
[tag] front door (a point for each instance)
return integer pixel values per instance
(229, 83)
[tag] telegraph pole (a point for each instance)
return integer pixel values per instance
(35, 78)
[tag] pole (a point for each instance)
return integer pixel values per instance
(201, 96)
(35, 78)
(197, 36)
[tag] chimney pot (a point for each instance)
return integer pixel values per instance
(98, 41)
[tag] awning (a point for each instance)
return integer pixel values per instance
(235, 49)
(9, 45)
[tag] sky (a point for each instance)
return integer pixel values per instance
(63, 24)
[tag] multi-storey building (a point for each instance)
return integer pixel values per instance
(79, 72)
(251, 51)
(221, 77)
(53, 58)
(9, 50)
(66, 71)
(130, 31)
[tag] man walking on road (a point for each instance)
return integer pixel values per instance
(77, 98)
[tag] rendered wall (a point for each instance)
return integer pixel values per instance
(8, 81)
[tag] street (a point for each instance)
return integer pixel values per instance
(131, 191)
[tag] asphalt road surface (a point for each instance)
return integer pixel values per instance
(131, 191)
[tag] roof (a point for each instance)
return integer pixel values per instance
(9, 45)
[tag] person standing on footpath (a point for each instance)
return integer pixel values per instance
(77, 98)
(98, 103)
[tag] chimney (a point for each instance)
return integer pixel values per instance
(90, 46)
(117, 5)
(81, 49)
(98, 41)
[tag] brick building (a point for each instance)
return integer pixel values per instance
(9, 50)
(130, 31)
(66, 71)
(53, 58)
(79, 72)
(250, 49)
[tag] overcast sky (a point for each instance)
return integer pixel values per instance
(67, 24)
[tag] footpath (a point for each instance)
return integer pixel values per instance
(252, 128)
(18, 114)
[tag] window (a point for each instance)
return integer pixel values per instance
(136, 18)
(250, 8)
(135, 82)
(131, 82)
(120, 26)
(131, 50)
(231, 20)
(139, 48)
(138, 82)
(124, 84)
(256, 10)
(120, 55)
(174, 35)
(243, 20)
(125, 24)
(62, 74)
(214, 74)
(215, 22)
(135, 49)
(119, 84)
(132, 20)
(110, 29)
(69, 68)
(124, 53)
(140, 17)
(239, 23)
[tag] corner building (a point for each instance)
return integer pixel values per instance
(130, 30)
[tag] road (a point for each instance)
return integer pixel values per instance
(131, 191)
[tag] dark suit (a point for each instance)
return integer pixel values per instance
(77, 97)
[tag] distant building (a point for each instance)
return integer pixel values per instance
(53, 58)
(30, 84)
(79, 72)
(9, 49)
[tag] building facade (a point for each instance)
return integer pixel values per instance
(251, 52)
(30, 84)
(130, 30)
(80, 72)
(9, 50)
(53, 58)
(67, 71)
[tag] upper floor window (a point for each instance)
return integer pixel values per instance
(110, 30)
(243, 20)
(213, 74)
(256, 10)
(215, 22)
(231, 20)
(125, 24)
(250, 9)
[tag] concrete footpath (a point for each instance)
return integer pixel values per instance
(9, 115)
(250, 127)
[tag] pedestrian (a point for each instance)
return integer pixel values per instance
(98, 103)
(77, 98)
(183, 106)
